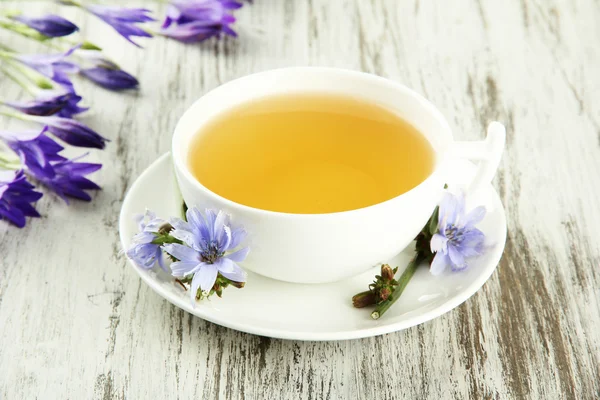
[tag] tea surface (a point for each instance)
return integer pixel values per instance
(310, 154)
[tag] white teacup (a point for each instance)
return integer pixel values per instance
(316, 248)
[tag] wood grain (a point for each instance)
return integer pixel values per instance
(76, 322)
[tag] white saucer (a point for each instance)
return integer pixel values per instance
(312, 312)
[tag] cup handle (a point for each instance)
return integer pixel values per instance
(488, 152)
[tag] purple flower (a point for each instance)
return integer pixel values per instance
(457, 238)
(106, 73)
(53, 66)
(72, 107)
(48, 25)
(68, 178)
(35, 149)
(71, 131)
(198, 20)
(209, 240)
(143, 251)
(50, 102)
(16, 196)
(123, 20)
(109, 78)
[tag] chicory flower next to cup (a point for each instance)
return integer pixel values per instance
(145, 250)
(457, 239)
(448, 239)
(207, 251)
(203, 248)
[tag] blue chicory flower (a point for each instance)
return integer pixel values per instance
(50, 102)
(71, 131)
(208, 250)
(123, 20)
(16, 196)
(457, 239)
(36, 150)
(67, 178)
(143, 251)
(53, 66)
(198, 20)
(48, 25)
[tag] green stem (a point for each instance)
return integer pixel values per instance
(71, 3)
(23, 117)
(35, 77)
(402, 282)
(7, 162)
(17, 80)
(165, 238)
(22, 30)
(184, 209)
(13, 115)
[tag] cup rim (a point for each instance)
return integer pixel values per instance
(182, 168)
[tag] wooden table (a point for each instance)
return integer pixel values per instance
(77, 322)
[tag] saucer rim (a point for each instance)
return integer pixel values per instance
(380, 328)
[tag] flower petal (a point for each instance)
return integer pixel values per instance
(143, 255)
(185, 236)
(456, 268)
(456, 258)
(231, 270)
(225, 239)
(439, 243)
(451, 208)
(178, 223)
(206, 276)
(439, 263)
(239, 255)
(182, 269)
(199, 226)
(139, 221)
(210, 217)
(161, 259)
(182, 253)
(237, 237)
(474, 217)
(219, 225)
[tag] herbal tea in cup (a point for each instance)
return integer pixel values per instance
(309, 153)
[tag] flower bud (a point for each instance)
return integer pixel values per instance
(384, 293)
(238, 285)
(364, 299)
(387, 273)
(165, 229)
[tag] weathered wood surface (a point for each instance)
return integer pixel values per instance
(76, 322)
